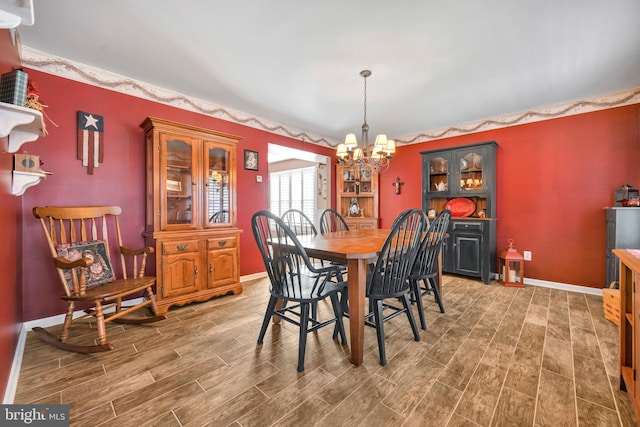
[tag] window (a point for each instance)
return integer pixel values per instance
(293, 189)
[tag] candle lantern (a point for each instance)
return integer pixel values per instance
(511, 267)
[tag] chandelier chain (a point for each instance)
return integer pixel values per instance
(353, 155)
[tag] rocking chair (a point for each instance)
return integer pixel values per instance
(79, 242)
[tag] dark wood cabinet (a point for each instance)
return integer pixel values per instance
(464, 176)
(623, 232)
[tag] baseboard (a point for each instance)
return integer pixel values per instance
(557, 285)
(12, 382)
(254, 276)
(563, 286)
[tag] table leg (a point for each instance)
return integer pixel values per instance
(357, 278)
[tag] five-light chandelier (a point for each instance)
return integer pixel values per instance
(376, 157)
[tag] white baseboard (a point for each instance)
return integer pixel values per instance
(254, 276)
(12, 382)
(563, 286)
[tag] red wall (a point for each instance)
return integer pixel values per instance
(120, 179)
(553, 180)
(10, 316)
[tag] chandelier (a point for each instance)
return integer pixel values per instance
(375, 157)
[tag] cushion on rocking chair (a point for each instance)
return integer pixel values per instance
(100, 272)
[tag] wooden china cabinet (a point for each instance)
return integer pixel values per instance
(191, 211)
(463, 179)
(357, 197)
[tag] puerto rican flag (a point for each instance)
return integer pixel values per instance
(90, 140)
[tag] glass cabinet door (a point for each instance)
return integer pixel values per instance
(218, 185)
(439, 173)
(178, 182)
(471, 175)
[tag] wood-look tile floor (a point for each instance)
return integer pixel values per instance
(497, 357)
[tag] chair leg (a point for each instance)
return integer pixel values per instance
(412, 321)
(302, 343)
(344, 302)
(417, 295)
(68, 318)
(102, 330)
(339, 328)
(377, 311)
(436, 293)
(314, 310)
(267, 318)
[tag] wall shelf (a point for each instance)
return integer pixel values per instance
(20, 125)
(24, 180)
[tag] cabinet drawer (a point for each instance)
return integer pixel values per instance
(222, 242)
(467, 225)
(180, 247)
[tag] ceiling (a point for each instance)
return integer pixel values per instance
(297, 63)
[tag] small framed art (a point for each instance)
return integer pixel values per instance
(251, 160)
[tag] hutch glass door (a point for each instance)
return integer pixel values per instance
(218, 196)
(179, 182)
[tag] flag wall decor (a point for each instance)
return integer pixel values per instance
(90, 140)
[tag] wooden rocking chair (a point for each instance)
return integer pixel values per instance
(79, 242)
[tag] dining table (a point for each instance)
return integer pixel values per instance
(356, 249)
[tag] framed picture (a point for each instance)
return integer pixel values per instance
(251, 160)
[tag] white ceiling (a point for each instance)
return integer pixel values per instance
(435, 63)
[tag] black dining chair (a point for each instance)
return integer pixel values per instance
(294, 279)
(425, 269)
(331, 220)
(299, 223)
(388, 280)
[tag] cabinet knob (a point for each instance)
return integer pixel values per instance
(182, 247)
(222, 242)
(210, 268)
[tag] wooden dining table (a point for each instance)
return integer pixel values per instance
(356, 249)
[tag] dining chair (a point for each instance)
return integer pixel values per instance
(388, 280)
(425, 269)
(299, 223)
(331, 220)
(294, 279)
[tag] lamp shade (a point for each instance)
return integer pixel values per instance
(350, 141)
(391, 147)
(381, 140)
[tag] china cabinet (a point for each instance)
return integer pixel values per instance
(191, 211)
(463, 179)
(629, 332)
(357, 197)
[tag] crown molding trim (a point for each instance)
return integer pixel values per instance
(83, 73)
(618, 99)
